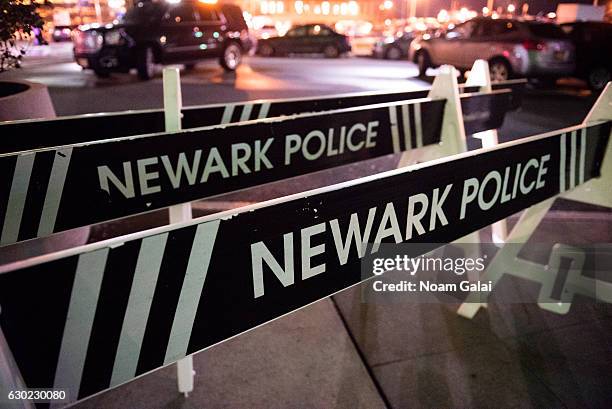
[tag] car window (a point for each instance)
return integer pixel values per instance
(207, 13)
(490, 28)
(297, 32)
(182, 13)
(546, 31)
(461, 31)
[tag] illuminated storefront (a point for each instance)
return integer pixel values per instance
(67, 12)
(305, 11)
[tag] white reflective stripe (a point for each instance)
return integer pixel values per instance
(407, 133)
(562, 163)
(79, 320)
(418, 126)
(17, 198)
(582, 155)
(195, 275)
(227, 114)
(394, 130)
(246, 112)
(139, 305)
(55, 188)
(573, 160)
(263, 112)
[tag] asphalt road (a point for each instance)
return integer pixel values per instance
(77, 91)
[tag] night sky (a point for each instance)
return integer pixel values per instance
(430, 7)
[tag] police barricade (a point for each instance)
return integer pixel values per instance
(405, 128)
(26, 135)
(45, 190)
(107, 312)
(559, 284)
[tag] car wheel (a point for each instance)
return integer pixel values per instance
(265, 50)
(145, 63)
(393, 53)
(598, 78)
(232, 56)
(499, 70)
(423, 62)
(331, 51)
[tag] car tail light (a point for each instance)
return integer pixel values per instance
(531, 45)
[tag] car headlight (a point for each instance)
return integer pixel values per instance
(113, 37)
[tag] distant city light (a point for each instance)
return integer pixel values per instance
(387, 4)
(208, 1)
(443, 16)
(299, 6)
(485, 10)
(511, 8)
(116, 4)
(269, 7)
(552, 15)
(325, 6)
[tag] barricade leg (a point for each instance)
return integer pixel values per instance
(10, 379)
(182, 212)
(506, 256)
(452, 138)
(480, 77)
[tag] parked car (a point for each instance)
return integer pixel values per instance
(393, 47)
(593, 42)
(512, 47)
(163, 33)
(266, 31)
(62, 33)
(306, 39)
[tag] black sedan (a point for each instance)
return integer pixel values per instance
(393, 48)
(306, 39)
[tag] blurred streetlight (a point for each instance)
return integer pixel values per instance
(443, 16)
(511, 8)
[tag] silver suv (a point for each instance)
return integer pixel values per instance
(513, 48)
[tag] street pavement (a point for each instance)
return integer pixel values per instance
(341, 352)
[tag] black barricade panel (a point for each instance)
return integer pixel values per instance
(36, 134)
(95, 317)
(55, 190)
(518, 88)
(485, 111)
